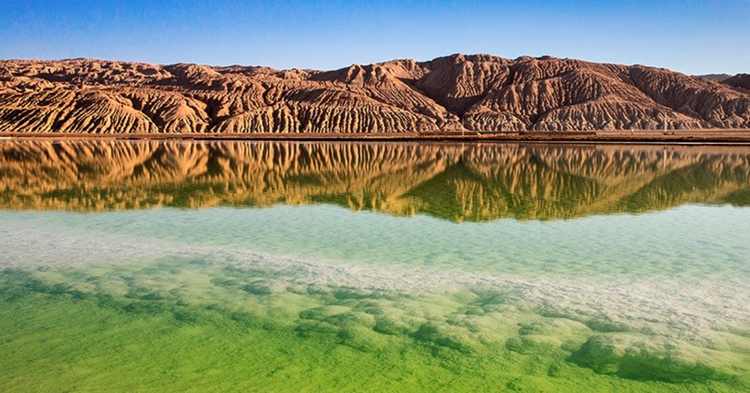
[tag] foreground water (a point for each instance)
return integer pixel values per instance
(166, 266)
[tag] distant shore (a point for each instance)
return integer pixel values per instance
(708, 136)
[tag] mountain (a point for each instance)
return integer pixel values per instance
(714, 77)
(740, 81)
(454, 93)
(457, 182)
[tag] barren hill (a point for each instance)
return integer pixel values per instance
(715, 77)
(740, 81)
(454, 93)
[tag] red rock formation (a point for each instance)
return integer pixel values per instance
(454, 93)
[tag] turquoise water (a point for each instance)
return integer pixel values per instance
(682, 242)
(617, 268)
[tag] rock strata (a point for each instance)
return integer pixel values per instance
(479, 93)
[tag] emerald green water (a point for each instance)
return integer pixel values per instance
(130, 266)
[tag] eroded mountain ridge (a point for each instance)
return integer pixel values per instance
(454, 93)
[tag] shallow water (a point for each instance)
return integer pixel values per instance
(157, 266)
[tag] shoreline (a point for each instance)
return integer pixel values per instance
(712, 136)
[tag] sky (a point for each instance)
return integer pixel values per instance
(694, 37)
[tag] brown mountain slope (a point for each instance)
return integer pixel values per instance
(477, 93)
(740, 81)
(714, 77)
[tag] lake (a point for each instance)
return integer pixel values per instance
(373, 267)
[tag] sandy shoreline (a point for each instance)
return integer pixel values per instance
(709, 136)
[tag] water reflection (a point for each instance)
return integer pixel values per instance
(474, 182)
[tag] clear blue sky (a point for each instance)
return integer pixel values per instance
(689, 36)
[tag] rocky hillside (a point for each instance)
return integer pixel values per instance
(740, 81)
(455, 93)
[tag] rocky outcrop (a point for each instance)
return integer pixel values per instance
(478, 93)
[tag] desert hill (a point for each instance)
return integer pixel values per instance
(740, 81)
(454, 93)
(715, 77)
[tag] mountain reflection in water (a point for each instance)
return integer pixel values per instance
(467, 182)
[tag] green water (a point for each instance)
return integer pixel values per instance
(291, 267)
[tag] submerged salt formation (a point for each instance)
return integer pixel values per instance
(637, 322)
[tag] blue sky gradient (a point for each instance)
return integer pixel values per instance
(689, 36)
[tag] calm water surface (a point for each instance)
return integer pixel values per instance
(237, 266)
